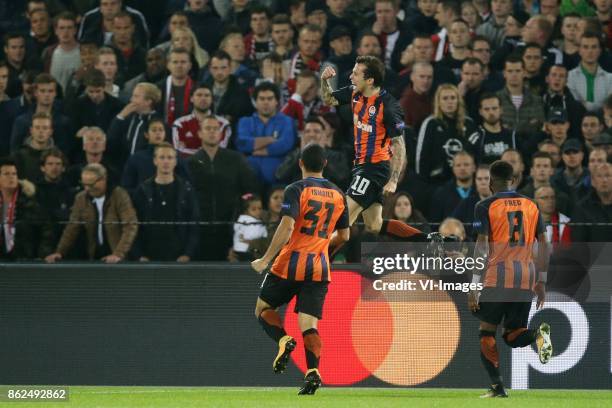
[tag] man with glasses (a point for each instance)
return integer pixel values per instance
(107, 216)
(481, 50)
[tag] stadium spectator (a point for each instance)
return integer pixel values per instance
(239, 15)
(97, 23)
(340, 15)
(493, 28)
(459, 52)
(572, 179)
(297, 13)
(480, 47)
(422, 19)
(106, 214)
(597, 157)
(14, 52)
(417, 101)
(316, 15)
(522, 111)
(515, 159)
(45, 92)
(541, 172)
(392, 34)
(88, 53)
(4, 75)
(550, 147)
(422, 50)
(442, 135)
(569, 43)
(219, 176)
(557, 126)
(248, 227)
(240, 67)
(53, 192)
(95, 107)
(493, 139)
(178, 19)
(206, 24)
(141, 165)
(471, 86)
(539, 30)
(337, 170)
(186, 129)
(342, 58)
(533, 62)
(604, 140)
(596, 207)
(556, 222)
(464, 211)
(469, 13)
(186, 39)
(106, 61)
(513, 28)
(452, 227)
(258, 43)
(230, 100)
(591, 127)
(369, 44)
(176, 88)
(305, 101)
(401, 206)
(41, 36)
(589, 83)
(27, 157)
(154, 72)
(61, 60)
(94, 148)
(448, 196)
(558, 98)
(166, 198)
(130, 54)
(126, 131)
(267, 135)
(26, 232)
(447, 11)
(308, 54)
(580, 7)
(282, 36)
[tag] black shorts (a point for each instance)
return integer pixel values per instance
(367, 183)
(276, 292)
(514, 314)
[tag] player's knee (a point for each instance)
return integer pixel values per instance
(373, 226)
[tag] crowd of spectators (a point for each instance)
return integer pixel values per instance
(142, 130)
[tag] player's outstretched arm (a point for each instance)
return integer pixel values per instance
(281, 236)
(398, 164)
(326, 90)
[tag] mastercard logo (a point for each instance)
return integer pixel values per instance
(382, 334)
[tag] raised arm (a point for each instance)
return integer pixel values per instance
(326, 90)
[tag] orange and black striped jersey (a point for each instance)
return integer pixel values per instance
(512, 222)
(376, 120)
(318, 208)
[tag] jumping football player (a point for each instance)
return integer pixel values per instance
(380, 150)
(508, 226)
(312, 209)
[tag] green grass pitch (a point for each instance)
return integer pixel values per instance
(186, 397)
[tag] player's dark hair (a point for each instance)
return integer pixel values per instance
(501, 170)
(313, 156)
(374, 68)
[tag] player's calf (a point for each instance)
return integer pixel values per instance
(519, 337)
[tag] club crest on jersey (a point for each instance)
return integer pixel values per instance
(364, 126)
(372, 110)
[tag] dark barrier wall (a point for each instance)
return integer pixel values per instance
(194, 325)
